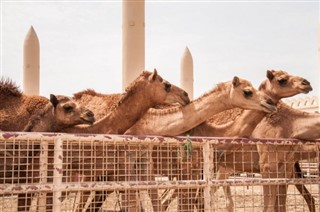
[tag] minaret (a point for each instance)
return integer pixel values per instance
(133, 40)
(31, 63)
(186, 72)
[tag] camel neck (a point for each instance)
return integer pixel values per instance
(176, 120)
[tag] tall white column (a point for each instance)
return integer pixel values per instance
(31, 63)
(133, 40)
(319, 61)
(186, 72)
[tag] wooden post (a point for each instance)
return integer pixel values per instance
(186, 72)
(133, 40)
(31, 63)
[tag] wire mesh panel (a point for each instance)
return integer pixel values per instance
(64, 172)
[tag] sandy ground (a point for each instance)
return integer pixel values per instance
(246, 199)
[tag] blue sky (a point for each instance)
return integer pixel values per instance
(80, 42)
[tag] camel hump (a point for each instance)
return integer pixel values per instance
(89, 91)
(9, 88)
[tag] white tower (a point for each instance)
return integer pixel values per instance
(133, 40)
(31, 63)
(186, 72)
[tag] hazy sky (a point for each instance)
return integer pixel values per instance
(80, 42)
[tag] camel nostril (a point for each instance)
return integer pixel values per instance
(90, 113)
(185, 93)
(270, 102)
(305, 82)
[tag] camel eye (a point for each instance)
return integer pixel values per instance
(247, 93)
(282, 81)
(167, 86)
(68, 108)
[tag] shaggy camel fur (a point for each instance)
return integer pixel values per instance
(176, 120)
(278, 160)
(17, 108)
(60, 113)
(279, 84)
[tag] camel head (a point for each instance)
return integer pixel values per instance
(280, 85)
(159, 90)
(245, 96)
(69, 113)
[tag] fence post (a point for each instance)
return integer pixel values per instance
(57, 174)
(207, 175)
(43, 174)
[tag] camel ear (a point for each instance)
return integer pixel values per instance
(54, 101)
(154, 75)
(235, 81)
(270, 75)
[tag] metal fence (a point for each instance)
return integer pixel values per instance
(65, 172)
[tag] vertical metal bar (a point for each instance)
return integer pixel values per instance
(57, 174)
(207, 175)
(43, 174)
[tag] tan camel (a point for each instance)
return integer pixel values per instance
(15, 107)
(279, 84)
(278, 160)
(147, 91)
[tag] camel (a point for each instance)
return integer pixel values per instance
(61, 112)
(176, 120)
(279, 84)
(16, 108)
(286, 123)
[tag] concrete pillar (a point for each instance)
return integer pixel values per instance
(31, 63)
(133, 40)
(186, 72)
(319, 62)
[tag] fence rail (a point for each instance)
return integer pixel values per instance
(67, 172)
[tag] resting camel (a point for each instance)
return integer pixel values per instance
(60, 113)
(278, 160)
(176, 120)
(16, 108)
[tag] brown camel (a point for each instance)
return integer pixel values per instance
(16, 108)
(278, 160)
(61, 112)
